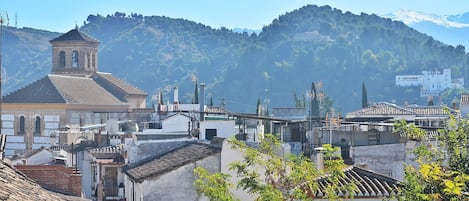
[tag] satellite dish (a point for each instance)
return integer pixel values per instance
(111, 126)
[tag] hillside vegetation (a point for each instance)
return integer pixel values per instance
(305, 45)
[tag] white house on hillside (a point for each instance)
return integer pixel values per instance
(431, 82)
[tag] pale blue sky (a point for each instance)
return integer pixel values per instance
(62, 15)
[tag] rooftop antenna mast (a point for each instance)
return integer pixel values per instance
(3, 20)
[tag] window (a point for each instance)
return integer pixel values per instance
(62, 59)
(21, 130)
(88, 60)
(210, 133)
(82, 121)
(74, 59)
(93, 173)
(37, 129)
(93, 60)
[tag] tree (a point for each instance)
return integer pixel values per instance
(268, 176)
(410, 131)
(258, 107)
(364, 96)
(314, 108)
(196, 94)
(430, 101)
(300, 102)
(444, 170)
(214, 185)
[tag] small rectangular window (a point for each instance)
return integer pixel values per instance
(210, 133)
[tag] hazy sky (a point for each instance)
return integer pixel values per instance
(62, 15)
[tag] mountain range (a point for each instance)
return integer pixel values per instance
(450, 29)
(339, 51)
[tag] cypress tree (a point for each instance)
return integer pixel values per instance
(314, 110)
(160, 98)
(364, 96)
(430, 101)
(258, 108)
(196, 94)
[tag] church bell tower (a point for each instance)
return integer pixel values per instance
(74, 53)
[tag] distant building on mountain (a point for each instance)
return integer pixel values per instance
(431, 82)
(56, 108)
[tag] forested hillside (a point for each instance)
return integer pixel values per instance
(305, 45)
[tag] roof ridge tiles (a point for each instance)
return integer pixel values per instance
(108, 78)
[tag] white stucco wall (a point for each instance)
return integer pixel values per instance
(385, 159)
(225, 128)
(42, 157)
(144, 149)
(229, 155)
(175, 185)
(388, 159)
(175, 123)
(86, 178)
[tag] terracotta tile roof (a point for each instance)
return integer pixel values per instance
(388, 109)
(430, 110)
(112, 83)
(14, 185)
(59, 147)
(82, 90)
(382, 109)
(166, 162)
(63, 89)
(369, 183)
(108, 149)
(109, 152)
(40, 91)
(429, 134)
(75, 35)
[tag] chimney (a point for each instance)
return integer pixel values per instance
(176, 95)
(319, 157)
(202, 101)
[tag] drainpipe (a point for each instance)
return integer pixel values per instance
(133, 190)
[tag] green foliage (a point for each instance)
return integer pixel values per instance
(300, 102)
(309, 43)
(195, 100)
(409, 130)
(443, 172)
(456, 142)
(451, 97)
(314, 107)
(214, 185)
(258, 107)
(267, 176)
